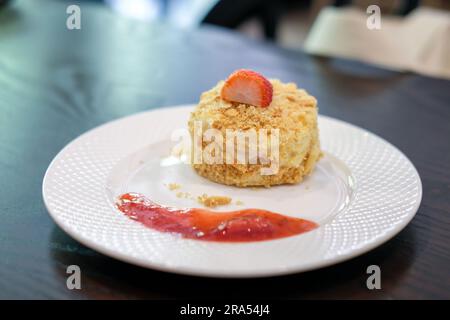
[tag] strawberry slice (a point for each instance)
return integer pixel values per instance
(246, 86)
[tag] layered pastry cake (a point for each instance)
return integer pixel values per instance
(284, 118)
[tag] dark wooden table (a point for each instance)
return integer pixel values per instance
(55, 84)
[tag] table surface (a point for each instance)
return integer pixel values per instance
(57, 83)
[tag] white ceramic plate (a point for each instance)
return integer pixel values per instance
(362, 193)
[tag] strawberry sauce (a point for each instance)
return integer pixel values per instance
(202, 224)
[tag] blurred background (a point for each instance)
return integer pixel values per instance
(287, 22)
(413, 35)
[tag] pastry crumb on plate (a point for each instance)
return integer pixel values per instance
(213, 201)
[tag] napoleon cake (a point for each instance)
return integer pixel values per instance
(284, 117)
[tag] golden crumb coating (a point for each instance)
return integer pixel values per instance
(293, 111)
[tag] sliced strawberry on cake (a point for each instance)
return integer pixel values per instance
(249, 87)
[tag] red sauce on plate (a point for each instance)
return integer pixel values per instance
(202, 224)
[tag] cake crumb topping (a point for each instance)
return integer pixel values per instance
(292, 111)
(185, 195)
(213, 201)
(173, 186)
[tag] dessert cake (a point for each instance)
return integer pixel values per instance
(246, 101)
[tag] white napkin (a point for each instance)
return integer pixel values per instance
(419, 42)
